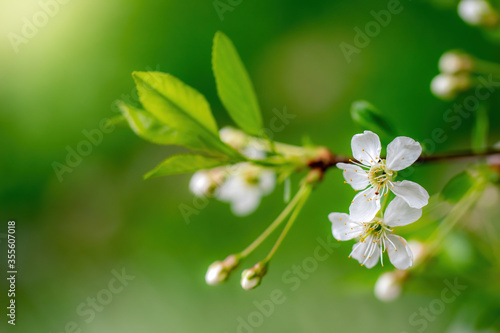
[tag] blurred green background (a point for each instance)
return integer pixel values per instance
(102, 216)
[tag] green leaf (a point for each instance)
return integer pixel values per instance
(185, 163)
(116, 120)
(370, 118)
(234, 86)
(457, 187)
(182, 109)
(480, 129)
(148, 127)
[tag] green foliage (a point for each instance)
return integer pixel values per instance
(480, 129)
(457, 187)
(148, 127)
(183, 110)
(234, 86)
(186, 163)
(370, 118)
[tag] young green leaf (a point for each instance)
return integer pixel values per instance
(457, 187)
(234, 86)
(182, 109)
(370, 118)
(148, 127)
(185, 163)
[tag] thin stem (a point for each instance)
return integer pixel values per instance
(288, 209)
(288, 226)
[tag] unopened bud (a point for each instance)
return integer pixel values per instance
(478, 12)
(447, 86)
(388, 286)
(251, 278)
(200, 183)
(453, 62)
(233, 137)
(419, 251)
(219, 271)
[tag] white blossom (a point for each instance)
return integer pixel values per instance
(375, 176)
(376, 235)
(245, 186)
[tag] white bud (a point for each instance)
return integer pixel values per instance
(216, 273)
(418, 249)
(388, 286)
(447, 86)
(453, 62)
(477, 12)
(219, 271)
(233, 137)
(201, 183)
(249, 279)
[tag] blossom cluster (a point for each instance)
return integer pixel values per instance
(367, 221)
(241, 185)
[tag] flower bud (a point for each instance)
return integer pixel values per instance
(447, 86)
(219, 271)
(419, 251)
(233, 137)
(453, 62)
(200, 183)
(388, 286)
(478, 12)
(251, 278)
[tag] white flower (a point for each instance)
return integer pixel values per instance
(376, 236)
(477, 12)
(245, 186)
(375, 175)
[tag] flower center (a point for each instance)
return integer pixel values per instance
(380, 177)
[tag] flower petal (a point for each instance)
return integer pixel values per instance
(399, 252)
(343, 228)
(402, 152)
(244, 205)
(415, 195)
(358, 250)
(399, 213)
(354, 175)
(366, 253)
(366, 147)
(365, 206)
(267, 181)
